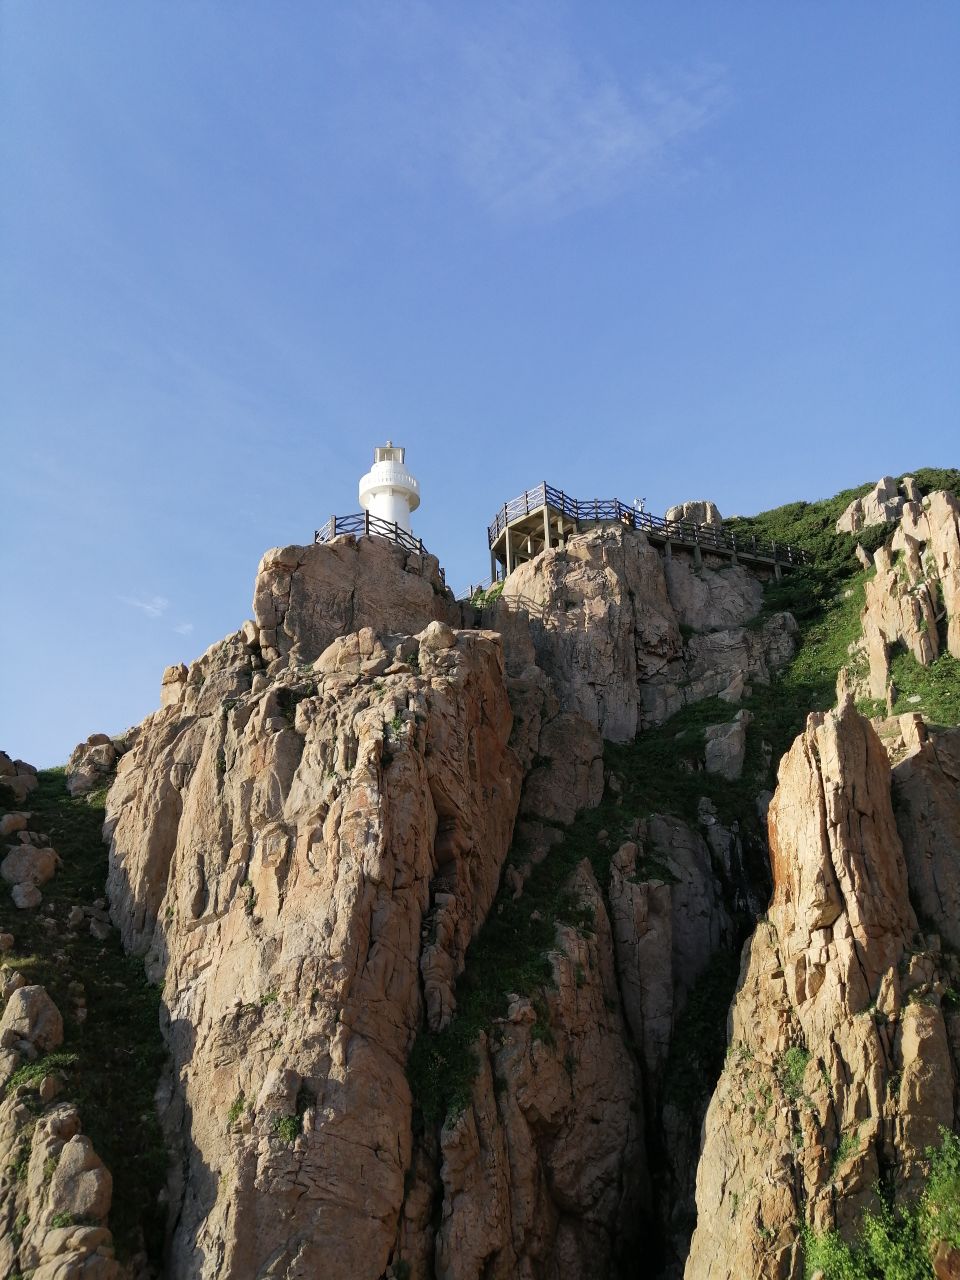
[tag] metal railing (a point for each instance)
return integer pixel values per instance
(363, 524)
(613, 511)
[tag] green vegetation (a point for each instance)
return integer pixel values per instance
(287, 1128)
(480, 598)
(236, 1110)
(896, 1243)
(848, 1144)
(31, 1073)
(63, 1220)
(936, 687)
(111, 1058)
(791, 1070)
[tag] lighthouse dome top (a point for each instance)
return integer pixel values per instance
(389, 490)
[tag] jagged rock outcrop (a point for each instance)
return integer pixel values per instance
(307, 596)
(882, 505)
(702, 512)
(913, 599)
(91, 764)
(306, 865)
(840, 1067)
(31, 1024)
(605, 615)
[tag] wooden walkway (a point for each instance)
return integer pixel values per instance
(544, 517)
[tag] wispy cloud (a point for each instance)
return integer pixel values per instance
(557, 138)
(152, 606)
(183, 628)
(510, 107)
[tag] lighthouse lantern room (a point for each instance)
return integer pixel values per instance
(388, 490)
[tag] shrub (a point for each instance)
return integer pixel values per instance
(896, 1243)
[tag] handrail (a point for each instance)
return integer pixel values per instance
(613, 511)
(363, 524)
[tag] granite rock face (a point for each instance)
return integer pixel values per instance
(840, 1066)
(305, 867)
(312, 828)
(913, 599)
(542, 1172)
(306, 596)
(926, 788)
(605, 615)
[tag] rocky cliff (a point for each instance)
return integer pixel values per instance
(442, 903)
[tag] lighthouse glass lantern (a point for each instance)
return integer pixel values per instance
(388, 490)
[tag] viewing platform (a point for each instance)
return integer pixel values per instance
(545, 517)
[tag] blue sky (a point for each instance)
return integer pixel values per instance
(671, 250)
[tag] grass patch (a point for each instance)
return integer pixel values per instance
(31, 1073)
(112, 1060)
(936, 686)
(791, 1070)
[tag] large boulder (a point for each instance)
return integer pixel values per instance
(699, 512)
(18, 776)
(91, 764)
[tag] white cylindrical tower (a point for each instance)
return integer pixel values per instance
(388, 490)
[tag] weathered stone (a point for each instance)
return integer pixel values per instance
(81, 1184)
(26, 896)
(701, 512)
(26, 865)
(545, 1160)
(726, 746)
(917, 569)
(91, 764)
(173, 685)
(11, 822)
(666, 929)
(306, 869)
(881, 505)
(307, 596)
(32, 1016)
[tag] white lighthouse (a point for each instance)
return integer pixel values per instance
(388, 490)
